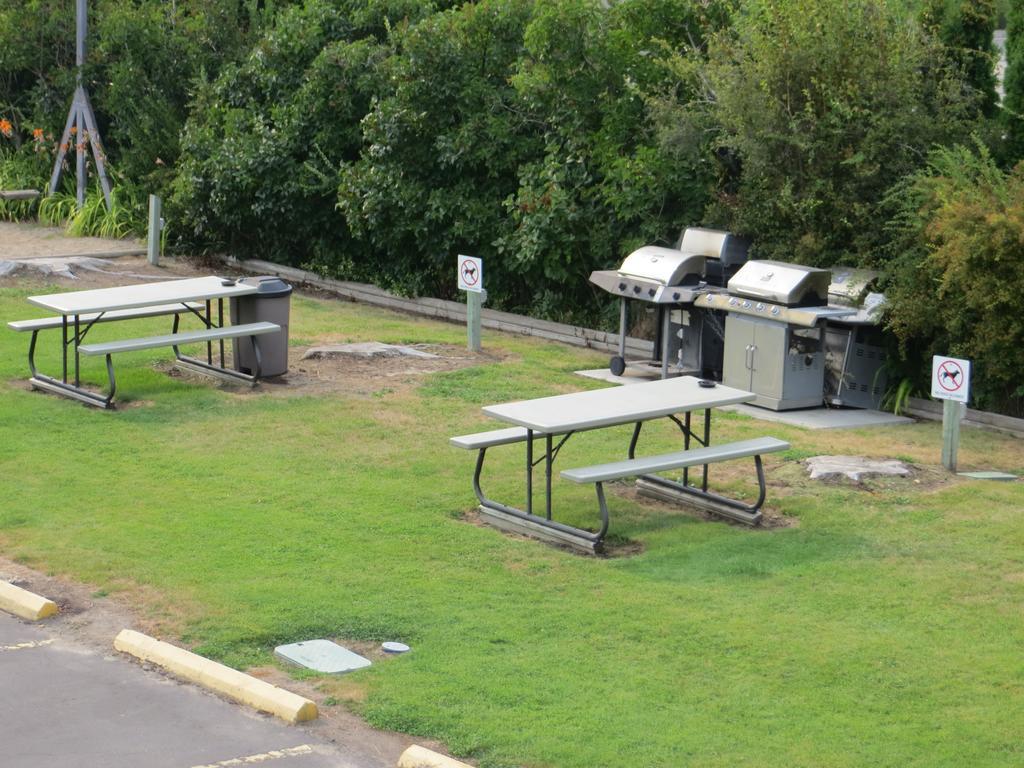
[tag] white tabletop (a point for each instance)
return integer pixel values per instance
(616, 405)
(143, 295)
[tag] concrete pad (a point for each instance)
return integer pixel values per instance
(603, 374)
(367, 349)
(69, 706)
(988, 475)
(822, 418)
(808, 418)
(322, 656)
(854, 467)
(25, 604)
(244, 688)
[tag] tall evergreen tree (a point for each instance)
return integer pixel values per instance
(1013, 83)
(965, 28)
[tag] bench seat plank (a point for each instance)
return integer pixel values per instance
(695, 457)
(489, 439)
(46, 323)
(176, 339)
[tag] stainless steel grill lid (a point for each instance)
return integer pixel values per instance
(715, 244)
(666, 266)
(776, 281)
(850, 286)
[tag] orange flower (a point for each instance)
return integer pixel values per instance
(6, 128)
(74, 129)
(37, 134)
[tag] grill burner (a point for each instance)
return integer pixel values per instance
(675, 279)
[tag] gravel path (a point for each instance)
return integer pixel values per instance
(20, 241)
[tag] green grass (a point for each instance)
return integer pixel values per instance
(884, 629)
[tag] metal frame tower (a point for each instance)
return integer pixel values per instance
(81, 122)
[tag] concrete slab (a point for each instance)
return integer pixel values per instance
(988, 475)
(808, 418)
(854, 467)
(322, 656)
(70, 706)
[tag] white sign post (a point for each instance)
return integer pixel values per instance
(471, 280)
(951, 383)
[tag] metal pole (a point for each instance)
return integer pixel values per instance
(153, 241)
(474, 307)
(951, 414)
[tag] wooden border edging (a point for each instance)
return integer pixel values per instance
(452, 311)
(932, 411)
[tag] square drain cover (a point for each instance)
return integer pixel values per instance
(322, 656)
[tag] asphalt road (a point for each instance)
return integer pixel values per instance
(66, 705)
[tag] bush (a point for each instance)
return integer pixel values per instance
(959, 271)
(822, 107)
(441, 148)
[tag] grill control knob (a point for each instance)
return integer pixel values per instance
(775, 310)
(650, 292)
(759, 307)
(636, 289)
(733, 302)
(622, 286)
(746, 305)
(675, 296)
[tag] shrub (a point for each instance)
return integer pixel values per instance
(958, 275)
(822, 107)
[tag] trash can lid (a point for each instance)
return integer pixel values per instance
(268, 286)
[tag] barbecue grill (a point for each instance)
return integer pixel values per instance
(774, 333)
(689, 338)
(854, 346)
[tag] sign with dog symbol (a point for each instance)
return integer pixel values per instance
(471, 274)
(951, 378)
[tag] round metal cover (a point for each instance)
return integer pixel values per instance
(392, 647)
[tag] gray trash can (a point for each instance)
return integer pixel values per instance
(270, 303)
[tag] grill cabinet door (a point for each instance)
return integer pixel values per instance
(739, 352)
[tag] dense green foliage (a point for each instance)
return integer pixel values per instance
(822, 107)
(960, 269)
(376, 139)
(1013, 103)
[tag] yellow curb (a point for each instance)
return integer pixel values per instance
(209, 674)
(421, 757)
(25, 604)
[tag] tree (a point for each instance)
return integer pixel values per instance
(965, 29)
(820, 108)
(1013, 82)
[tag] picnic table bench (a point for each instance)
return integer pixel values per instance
(564, 415)
(78, 311)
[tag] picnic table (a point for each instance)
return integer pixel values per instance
(561, 416)
(76, 313)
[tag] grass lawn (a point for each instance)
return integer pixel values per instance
(884, 627)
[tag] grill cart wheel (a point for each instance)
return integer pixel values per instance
(617, 365)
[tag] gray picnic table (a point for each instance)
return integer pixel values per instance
(561, 416)
(76, 312)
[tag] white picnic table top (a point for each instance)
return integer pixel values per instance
(142, 295)
(616, 405)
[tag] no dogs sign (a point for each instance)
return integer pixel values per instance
(951, 378)
(471, 274)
